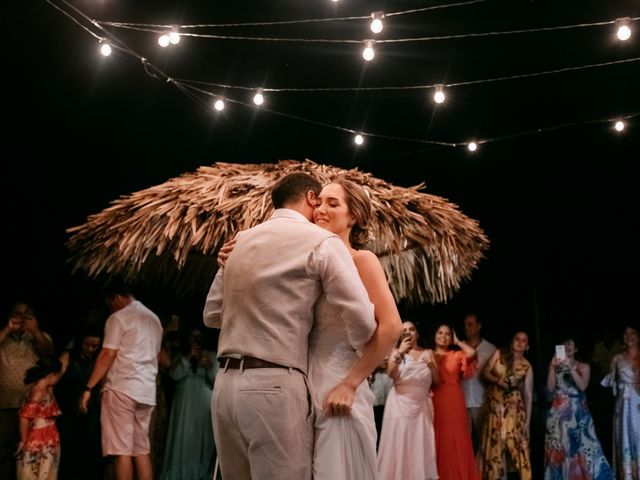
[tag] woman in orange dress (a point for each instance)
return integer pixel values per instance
(454, 450)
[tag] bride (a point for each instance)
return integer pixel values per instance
(345, 438)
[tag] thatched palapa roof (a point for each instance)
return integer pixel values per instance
(172, 231)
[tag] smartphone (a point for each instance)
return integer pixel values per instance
(404, 335)
(561, 353)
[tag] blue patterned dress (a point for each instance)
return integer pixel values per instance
(625, 380)
(572, 450)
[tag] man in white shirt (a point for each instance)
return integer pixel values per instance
(129, 359)
(473, 387)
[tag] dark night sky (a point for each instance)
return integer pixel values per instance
(559, 207)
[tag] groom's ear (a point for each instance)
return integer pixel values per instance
(312, 199)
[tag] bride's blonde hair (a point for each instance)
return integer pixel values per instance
(359, 206)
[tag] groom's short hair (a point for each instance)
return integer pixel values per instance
(292, 187)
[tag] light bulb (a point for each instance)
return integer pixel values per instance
(619, 126)
(105, 49)
(473, 146)
(368, 52)
(174, 37)
(624, 31)
(163, 40)
(258, 98)
(439, 95)
(219, 105)
(358, 139)
(376, 24)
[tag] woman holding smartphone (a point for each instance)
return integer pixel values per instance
(572, 450)
(407, 441)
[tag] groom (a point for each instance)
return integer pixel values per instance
(263, 302)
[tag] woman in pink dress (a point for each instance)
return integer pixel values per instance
(453, 440)
(407, 441)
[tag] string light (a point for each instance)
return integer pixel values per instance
(174, 37)
(368, 52)
(472, 146)
(258, 98)
(376, 24)
(219, 105)
(105, 48)
(439, 96)
(624, 31)
(163, 40)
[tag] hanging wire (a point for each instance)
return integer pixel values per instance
(148, 26)
(161, 29)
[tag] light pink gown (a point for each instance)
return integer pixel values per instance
(407, 441)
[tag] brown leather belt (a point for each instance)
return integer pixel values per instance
(246, 363)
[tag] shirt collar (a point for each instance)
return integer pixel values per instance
(288, 213)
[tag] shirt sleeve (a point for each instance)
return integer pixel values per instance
(213, 304)
(113, 331)
(332, 263)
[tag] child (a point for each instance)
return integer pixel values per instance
(39, 449)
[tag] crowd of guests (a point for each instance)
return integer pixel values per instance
(463, 410)
(51, 426)
(459, 410)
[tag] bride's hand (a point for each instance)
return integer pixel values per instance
(224, 252)
(339, 401)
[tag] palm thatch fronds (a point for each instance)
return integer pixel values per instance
(173, 230)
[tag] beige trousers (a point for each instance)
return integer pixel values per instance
(263, 424)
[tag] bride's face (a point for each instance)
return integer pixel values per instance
(332, 212)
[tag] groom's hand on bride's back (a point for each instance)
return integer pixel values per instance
(339, 400)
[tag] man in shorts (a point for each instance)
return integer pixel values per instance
(129, 359)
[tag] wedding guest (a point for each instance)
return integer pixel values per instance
(453, 440)
(38, 453)
(504, 441)
(407, 443)
(190, 452)
(380, 385)
(572, 450)
(79, 432)
(473, 387)
(21, 343)
(625, 380)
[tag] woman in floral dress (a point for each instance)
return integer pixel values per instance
(572, 450)
(504, 442)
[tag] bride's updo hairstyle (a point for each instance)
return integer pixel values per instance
(359, 206)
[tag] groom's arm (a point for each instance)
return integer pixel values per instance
(213, 304)
(332, 263)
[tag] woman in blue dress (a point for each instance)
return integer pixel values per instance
(190, 452)
(572, 450)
